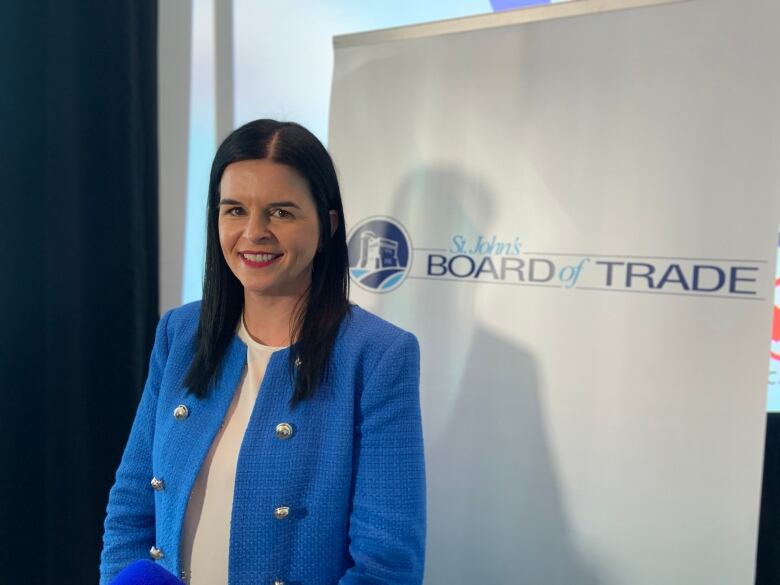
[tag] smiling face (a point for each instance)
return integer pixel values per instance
(268, 227)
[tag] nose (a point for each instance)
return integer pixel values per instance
(256, 228)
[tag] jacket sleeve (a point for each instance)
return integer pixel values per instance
(130, 524)
(387, 522)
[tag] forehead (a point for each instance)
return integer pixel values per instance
(262, 178)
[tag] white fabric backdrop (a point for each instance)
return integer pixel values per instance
(580, 430)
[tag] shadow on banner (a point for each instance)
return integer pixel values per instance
(495, 509)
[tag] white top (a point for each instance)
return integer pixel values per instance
(205, 540)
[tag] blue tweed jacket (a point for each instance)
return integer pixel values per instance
(352, 473)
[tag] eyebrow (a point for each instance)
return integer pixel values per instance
(272, 204)
(283, 204)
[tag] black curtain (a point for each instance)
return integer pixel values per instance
(768, 565)
(79, 252)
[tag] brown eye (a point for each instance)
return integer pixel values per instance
(280, 213)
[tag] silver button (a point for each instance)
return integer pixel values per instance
(281, 512)
(284, 431)
(157, 484)
(181, 412)
(278, 582)
(298, 362)
(156, 553)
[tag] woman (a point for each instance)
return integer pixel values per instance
(278, 438)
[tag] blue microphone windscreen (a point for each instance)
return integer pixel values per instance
(146, 572)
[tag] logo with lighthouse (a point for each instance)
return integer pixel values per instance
(379, 254)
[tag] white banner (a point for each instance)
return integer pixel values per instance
(577, 216)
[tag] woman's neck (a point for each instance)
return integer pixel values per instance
(267, 318)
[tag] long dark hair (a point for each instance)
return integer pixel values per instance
(315, 321)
